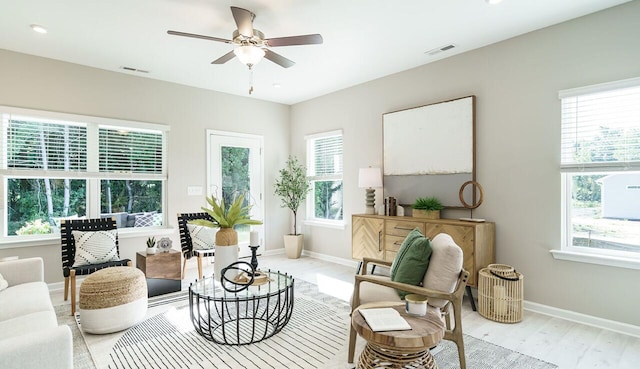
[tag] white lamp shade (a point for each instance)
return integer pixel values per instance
(249, 54)
(370, 178)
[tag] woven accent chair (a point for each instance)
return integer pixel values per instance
(69, 252)
(185, 241)
(370, 288)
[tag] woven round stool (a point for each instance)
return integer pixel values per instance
(112, 299)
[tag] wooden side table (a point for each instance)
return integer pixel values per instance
(162, 271)
(399, 349)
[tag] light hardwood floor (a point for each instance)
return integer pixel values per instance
(567, 344)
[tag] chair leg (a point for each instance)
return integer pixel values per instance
(129, 263)
(457, 332)
(199, 266)
(352, 345)
(463, 361)
(72, 278)
(66, 288)
(184, 268)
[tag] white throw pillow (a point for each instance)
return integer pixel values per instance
(95, 247)
(202, 238)
(3, 283)
(444, 267)
(145, 220)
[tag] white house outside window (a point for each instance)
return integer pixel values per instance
(60, 166)
(600, 165)
(324, 169)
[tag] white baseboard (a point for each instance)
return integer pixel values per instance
(611, 325)
(332, 259)
(273, 252)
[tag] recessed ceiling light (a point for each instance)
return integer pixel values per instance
(277, 85)
(38, 28)
(493, 2)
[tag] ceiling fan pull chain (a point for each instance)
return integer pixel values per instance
(250, 80)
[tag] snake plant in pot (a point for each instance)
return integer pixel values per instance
(292, 186)
(225, 218)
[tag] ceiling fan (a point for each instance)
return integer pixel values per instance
(251, 44)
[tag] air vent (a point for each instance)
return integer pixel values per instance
(134, 69)
(440, 49)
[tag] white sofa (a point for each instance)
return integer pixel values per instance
(30, 336)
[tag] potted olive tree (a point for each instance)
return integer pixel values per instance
(427, 207)
(292, 187)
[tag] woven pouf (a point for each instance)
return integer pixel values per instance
(112, 299)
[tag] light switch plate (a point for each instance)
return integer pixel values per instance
(194, 190)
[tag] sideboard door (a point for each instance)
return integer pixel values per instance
(366, 238)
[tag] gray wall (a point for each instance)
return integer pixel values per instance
(45, 84)
(518, 147)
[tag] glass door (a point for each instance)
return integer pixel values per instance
(235, 168)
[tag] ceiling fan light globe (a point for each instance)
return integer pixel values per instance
(249, 55)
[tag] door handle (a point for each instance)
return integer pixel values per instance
(403, 228)
(380, 241)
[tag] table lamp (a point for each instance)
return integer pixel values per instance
(369, 178)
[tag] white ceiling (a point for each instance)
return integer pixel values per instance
(363, 39)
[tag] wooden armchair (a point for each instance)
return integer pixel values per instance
(371, 288)
(188, 251)
(68, 243)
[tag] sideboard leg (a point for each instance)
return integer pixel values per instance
(470, 295)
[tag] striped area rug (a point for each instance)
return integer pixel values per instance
(316, 332)
(315, 337)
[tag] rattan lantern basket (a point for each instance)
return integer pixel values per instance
(500, 293)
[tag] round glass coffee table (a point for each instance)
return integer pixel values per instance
(244, 317)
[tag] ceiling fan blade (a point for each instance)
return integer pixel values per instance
(294, 40)
(244, 20)
(224, 58)
(193, 35)
(278, 59)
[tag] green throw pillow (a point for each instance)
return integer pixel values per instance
(411, 263)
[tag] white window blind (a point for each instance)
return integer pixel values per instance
(327, 155)
(130, 151)
(601, 127)
(37, 144)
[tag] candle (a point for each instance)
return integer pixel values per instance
(253, 238)
(416, 305)
(500, 300)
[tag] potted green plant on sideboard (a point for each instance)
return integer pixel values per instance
(427, 207)
(292, 187)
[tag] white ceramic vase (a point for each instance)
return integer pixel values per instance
(225, 255)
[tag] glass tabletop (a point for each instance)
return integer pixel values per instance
(210, 288)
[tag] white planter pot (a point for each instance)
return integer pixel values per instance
(293, 245)
(151, 250)
(225, 255)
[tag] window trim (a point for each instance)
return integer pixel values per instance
(310, 219)
(607, 257)
(91, 175)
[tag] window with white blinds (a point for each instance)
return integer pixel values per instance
(128, 151)
(59, 166)
(33, 144)
(327, 155)
(600, 165)
(601, 126)
(324, 170)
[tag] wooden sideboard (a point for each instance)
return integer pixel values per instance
(380, 237)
